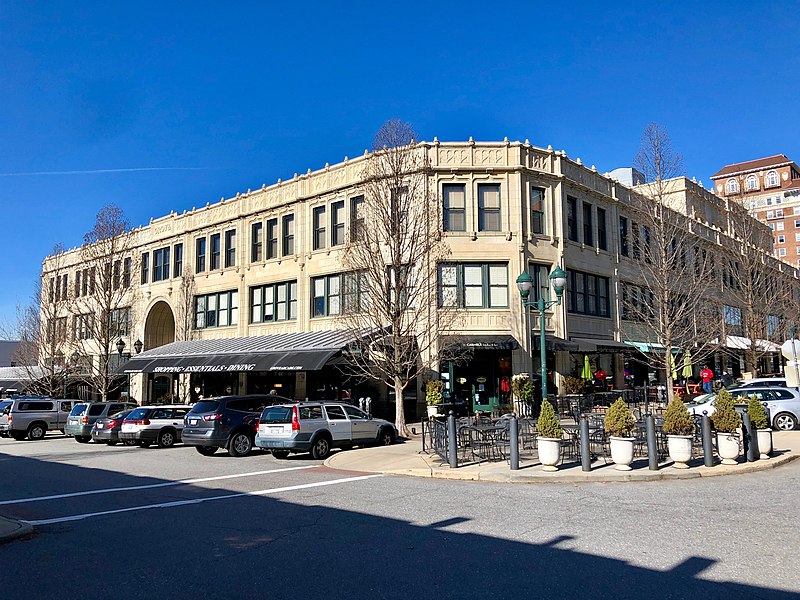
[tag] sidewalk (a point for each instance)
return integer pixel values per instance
(406, 458)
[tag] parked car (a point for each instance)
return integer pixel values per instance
(106, 429)
(83, 416)
(763, 382)
(316, 427)
(228, 422)
(783, 404)
(34, 416)
(160, 424)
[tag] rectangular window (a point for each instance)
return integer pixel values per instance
(473, 285)
(318, 223)
(116, 278)
(537, 211)
(274, 302)
(779, 212)
(602, 236)
(145, 267)
(337, 223)
(355, 292)
(781, 252)
(588, 228)
(541, 282)
(797, 223)
(200, 255)
(781, 239)
(779, 226)
(216, 310)
(177, 270)
(623, 236)
(215, 252)
(796, 210)
(288, 235)
(272, 239)
(83, 327)
(126, 274)
(588, 294)
(160, 264)
(326, 297)
(256, 242)
(356, 217)
(489, 207)
(77, 283)
(230, 248)
(733, 319)
(572, 218)
(770, 214)
(454, 202)
(120, 322)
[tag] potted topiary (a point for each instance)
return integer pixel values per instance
(726, 422)
(758, 417)
(433, 396)
(549, 437)
(619, 425)
(679, 427)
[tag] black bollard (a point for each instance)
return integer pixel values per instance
(422, 422)
(586, 458)
(652, 449)
(708, 446)
(513, 432)
(749, 437)
(452, 442)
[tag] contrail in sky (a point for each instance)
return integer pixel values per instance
(95, 171)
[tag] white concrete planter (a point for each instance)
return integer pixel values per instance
(728, 447)
(433, 411)
(622, 452)
(680, 450)
(764, 437)
(549, 453)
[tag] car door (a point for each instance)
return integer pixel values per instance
(364, 428)
(338, 423)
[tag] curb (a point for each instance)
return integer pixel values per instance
(11, 529)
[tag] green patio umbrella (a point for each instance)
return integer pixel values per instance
(587, 368)
(687, 365)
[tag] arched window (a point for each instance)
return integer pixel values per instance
(772, 178)
(752, 183)
(732, 186)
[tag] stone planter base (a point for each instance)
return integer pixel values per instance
(728, 447)
(680, 450)
(549, 453)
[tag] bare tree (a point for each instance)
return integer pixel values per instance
(103, 298)
(674, 263)
(391, 263)
(184, 306)
(41, 328)
(757, 299)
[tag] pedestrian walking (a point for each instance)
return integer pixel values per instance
(707, 375)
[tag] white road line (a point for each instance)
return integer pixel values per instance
(200, 500)
(151, 485)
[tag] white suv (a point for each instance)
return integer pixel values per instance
(161, 424)
(317, 427)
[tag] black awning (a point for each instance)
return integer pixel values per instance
(484, 342)
(598, 345)
(555, 344)
(306, 360)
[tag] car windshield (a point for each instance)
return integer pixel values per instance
(277, 414)
(78, 410)
(121, 414)
(5, 406)
(139, 413)
(704, 399)
(205, 406)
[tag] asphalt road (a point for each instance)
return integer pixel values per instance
(146, 523)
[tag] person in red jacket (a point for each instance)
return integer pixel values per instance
(600, 377)
(707, 375)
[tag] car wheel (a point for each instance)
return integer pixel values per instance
(280, 454)
(240, 445)
(129, 442)
(36, 431)
(4, 434)
(206, 450)
(82, 439)
(785, 422)
(143, 443)
(385, 437)
(111, 443)
(321, 448)
(166, 439)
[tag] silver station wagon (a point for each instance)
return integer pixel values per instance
(316, 427)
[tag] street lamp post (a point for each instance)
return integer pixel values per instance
(558, 279)
(120, 348)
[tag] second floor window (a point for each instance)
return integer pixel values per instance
(257, 242)
(145, 267)
(537, 210)
(327, 296)
(216, 310)
(288, 235)
(473, 285)
(230, 248)
(215, 251)
(274, 302)
(161, 264)
(587, 294)
(120, 322)
(200, 255)
(454, 207)
(337, 223)
(489, 218)
(318, 217)
(177, 270)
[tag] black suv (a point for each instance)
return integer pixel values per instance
(228, 422)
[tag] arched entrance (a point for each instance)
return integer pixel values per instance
(159, 328)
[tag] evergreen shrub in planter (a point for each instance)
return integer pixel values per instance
(679, 427)
(549, 439)
(758, 416)
(726, 422)
(620, 424)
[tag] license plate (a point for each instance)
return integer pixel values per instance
(129, 428)
(276, 429)
(74, 421)
(193, 421)
(99, 425)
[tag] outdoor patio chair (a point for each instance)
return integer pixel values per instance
(527, 434)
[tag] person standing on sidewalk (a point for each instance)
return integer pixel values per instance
(707, 375)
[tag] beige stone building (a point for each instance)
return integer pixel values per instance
(267, 263)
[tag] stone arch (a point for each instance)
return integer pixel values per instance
(159, 327)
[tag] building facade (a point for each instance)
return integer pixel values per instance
(245, 271)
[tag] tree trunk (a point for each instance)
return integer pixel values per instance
(399, 412)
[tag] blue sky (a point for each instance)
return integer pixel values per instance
(163, 106)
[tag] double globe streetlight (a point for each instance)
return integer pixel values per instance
(137, 345)
(558, 279)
